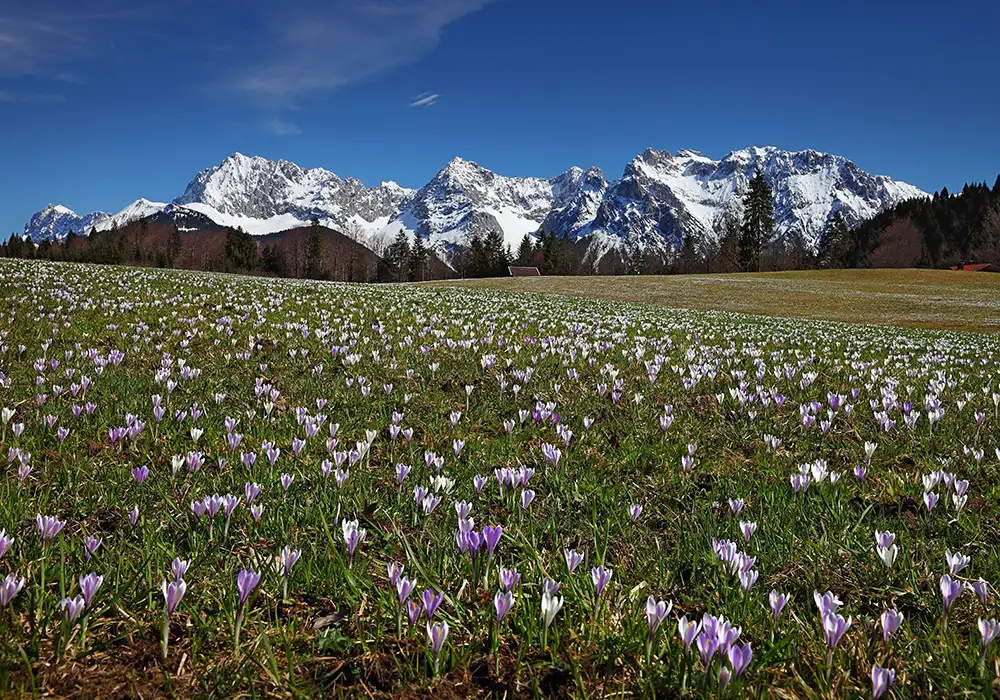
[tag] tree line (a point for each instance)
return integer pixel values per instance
(945, 229)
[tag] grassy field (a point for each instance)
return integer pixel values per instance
(909, 298)
(219, 486)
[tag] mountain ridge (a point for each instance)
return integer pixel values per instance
(659, 197)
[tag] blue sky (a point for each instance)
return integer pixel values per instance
(104, 101)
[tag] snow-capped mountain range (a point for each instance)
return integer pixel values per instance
(659, 198)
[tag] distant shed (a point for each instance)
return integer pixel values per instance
(520, 271)
(976, 267)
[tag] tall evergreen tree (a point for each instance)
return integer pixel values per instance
(241, 250)
(758, 222)
(174, 245)
(315, 267)
(397, 258)
(496, 252)
(525, 251)
(418, 259)
(834, 243)
(480, 262)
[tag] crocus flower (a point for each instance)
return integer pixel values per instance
(48, 526)
(431, 602)
(353, 537)
(509, 578)
(777, 602)
(891, 621)
(989, 629)
(688, 631)
(90, 545)
(413, 610)
(492, 537)
(655, 614)
(950, 591)
(634, 511)
(827, 603)
(527, 496)
(133, 516)
(140, 474)
(573, 559)
(73, 607)
(89, 585)
(600, 576)
(739, 658)
(404, 587)
(179, 567)
(437, 634)
(394, 570)
(834, 627)
(551, 605)
(882, 678)
(956, 562)
(980, 588)
(9, 587)
(503, 602)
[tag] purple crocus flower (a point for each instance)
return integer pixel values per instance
(89, 585)
(9, 587)
(353, 537)
(431, 602)
(503, 602)
(891, 621)
(394, 570)
(509, 578)
(827, 603)
(246, 582)
(834, 627)
(601, 577)
(479, 482)
(739, 658)
(286, 481)
(980, 587)
(179, 567)
(140, 474)
(950, 591)
(437, 634)
(777, 602)
(48, 526)
(573, 559)
(527, 496)
(173, 593)
(688, 631)
(882, 678)
(133, 516)
(656, 612)
(634, 511)
(404, 587)
(492, 537)
(90, 545)
(73, 607)
(990, 630)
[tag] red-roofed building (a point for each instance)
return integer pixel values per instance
(975, 267)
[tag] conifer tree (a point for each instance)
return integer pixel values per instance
(525, 251)
(314, 251)
(418, 259)
(758, 222)
(834, 243)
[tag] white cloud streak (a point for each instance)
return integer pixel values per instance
(324, 45)
(425, 100)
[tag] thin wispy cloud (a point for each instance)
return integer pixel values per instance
(318, 46)
(31, 98)
(425, 99)
(280, 127)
